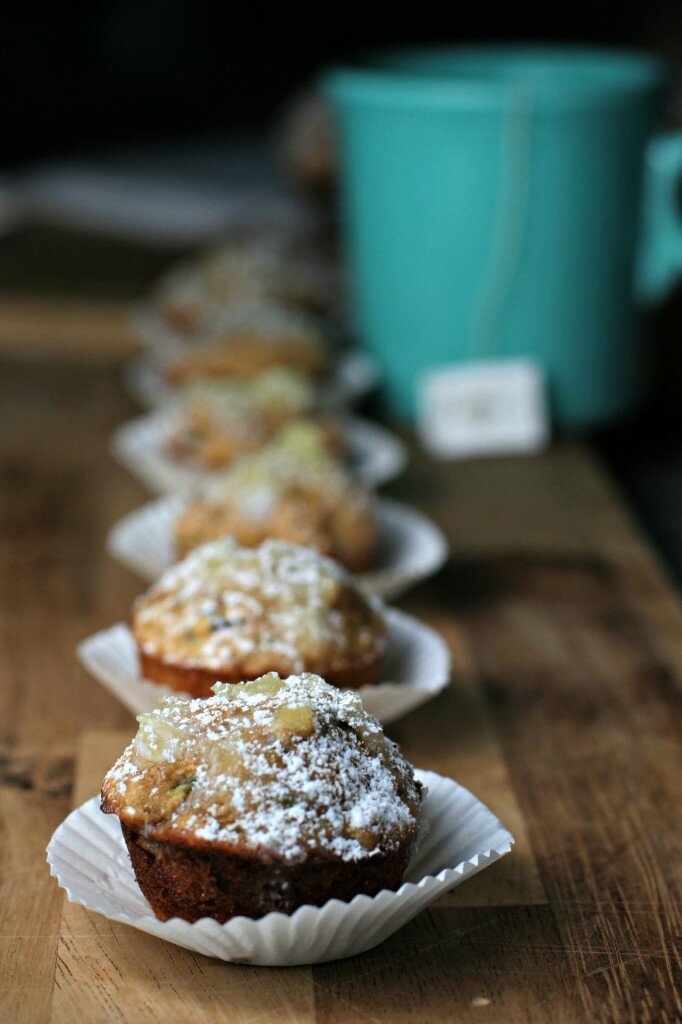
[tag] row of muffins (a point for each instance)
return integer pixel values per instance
(260, 794)
(245, 359)
(266, 785)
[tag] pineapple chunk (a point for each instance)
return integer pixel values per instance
(222, 689)
(303, 440)
(266, 686)
(182, 789)
(372, 740)
(294, 720)
(225, 758)
(365, 837)
(156, 737)
(331, 587)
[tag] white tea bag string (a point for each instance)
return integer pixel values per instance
(510, 223)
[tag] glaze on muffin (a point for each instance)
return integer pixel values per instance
(228, 613)
(267, 796)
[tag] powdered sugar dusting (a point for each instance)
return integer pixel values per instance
(280, 600)
(279, 767)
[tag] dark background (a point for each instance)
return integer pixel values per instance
(94, 75)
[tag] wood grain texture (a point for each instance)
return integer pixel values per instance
(564, 716)
(98, 330)
(66, 294)
(106, 971)
(455, 965)
(56, 497)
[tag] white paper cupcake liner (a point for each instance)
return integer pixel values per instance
(409, 546)
(414, 669)
(376, 455)
(354, 377)
(459, 837)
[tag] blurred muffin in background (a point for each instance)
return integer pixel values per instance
(250, 338)
(217, 421)
(192, 297)
(305, 144)
(228, 613)
(292, 489)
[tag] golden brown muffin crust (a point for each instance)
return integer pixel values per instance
(293, 489)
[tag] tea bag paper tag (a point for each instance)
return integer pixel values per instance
(488, 407)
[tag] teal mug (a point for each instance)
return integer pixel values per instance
(504, 202)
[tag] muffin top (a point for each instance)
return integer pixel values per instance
(215, 421)
(224, 603)
(233, 274)
(267, 319)
(296, 462)
(245, 340)
(256, 272)
(266, 267)
(279, 768)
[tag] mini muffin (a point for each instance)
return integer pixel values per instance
(268, 796)
(280, 269)
(228, 613)
(193, 296)
(219, 421)
(292, 489)
(306, 144)
(250, 339)
(179, 300)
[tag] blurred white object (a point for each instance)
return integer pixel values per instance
(488, 407)
(146, 210)
(173, 197)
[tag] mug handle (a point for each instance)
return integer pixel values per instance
(661, 255)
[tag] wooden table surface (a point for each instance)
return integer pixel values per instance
(563, 715)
